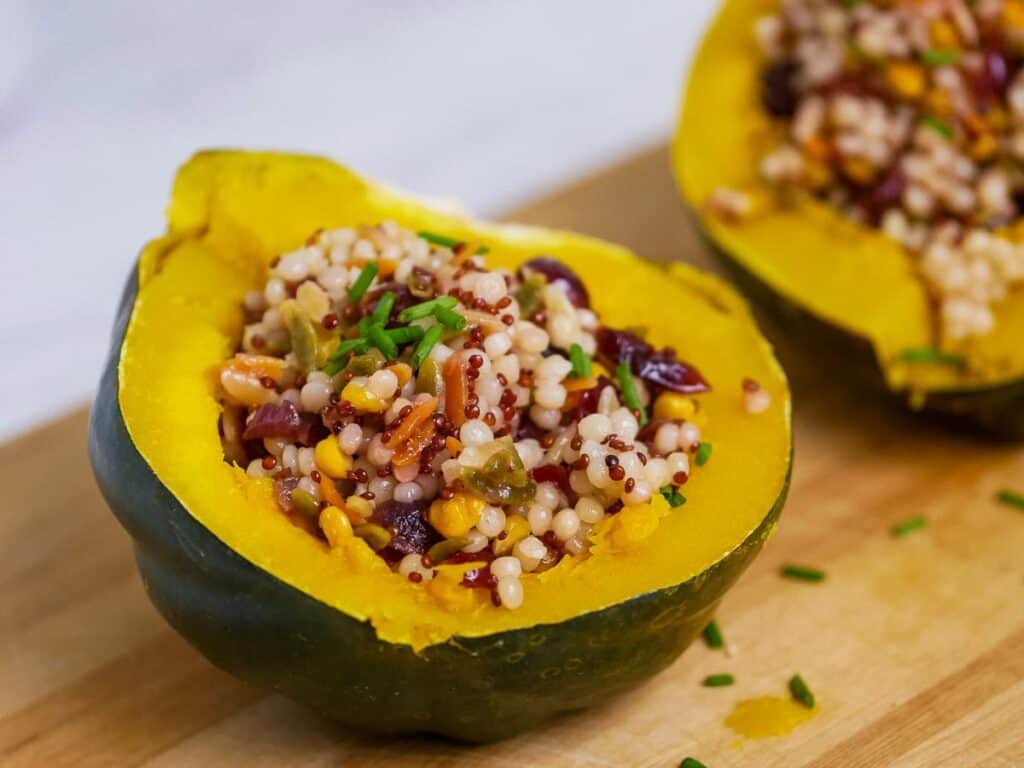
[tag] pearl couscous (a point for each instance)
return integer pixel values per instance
(396, 390)
(909, 117)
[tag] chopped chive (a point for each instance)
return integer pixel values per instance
(337, 359)
(629, 393)
(718, 681)
(672, 496)
(939, 126)
(932, 355)
(430, 338)
(363, 326)
(580, 362)
(450, 318)
(382, 311)
(358, 288)
(404, 335)
(426, 308)
(713, 635)
(904, 527)
(691, 762)
(938, 57)
(1011, 499)
(382, 341)
(802, 573)
(444, 240)
(798, 688)
(703, 453)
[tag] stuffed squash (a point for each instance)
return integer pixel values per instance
(423, 473)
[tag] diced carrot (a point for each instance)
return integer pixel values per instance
(456, 389)
(584, 382)
(409, 451)
(402, 372)
(260, 366)
(454, 445)
(421, 411)
(330, 492)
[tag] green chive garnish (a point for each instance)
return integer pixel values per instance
(802, 573)
(718, 681)
(363, 326)
(940, 127)
(1011, 499)
(713, 635)
(904, 527)
(382, 311)
(337, 359)
(430, 338)
(450, 318)
(936, 57)
(672, 496)
(580, 362)
(629, 393)
(358, 288)
(703, 453)
(404, 335)
(426, 308)
(932, 355)
(444, 240)
(382, 341)
(798, 688)
(691, 762)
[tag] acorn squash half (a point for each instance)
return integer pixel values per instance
(335, 629)
(845, 287)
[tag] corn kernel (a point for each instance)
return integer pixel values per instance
(943, 34)
(329, 458)
(906, 79)
(1013, 14)
(817, 174)
(362, 398)
(516, 528)
(672, 405)
(858, 169)
(984, 147)
(457, 515)
(335, 525)
(938, 101)
(358, 509)
(402, 372)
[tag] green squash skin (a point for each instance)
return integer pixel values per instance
(475, 689)
(995, 412)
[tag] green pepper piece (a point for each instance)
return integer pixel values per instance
(376, 536)
(428, 378)
(446, 548)
(502, 479)
(367, 363)
(528, 294)
(304, 503)
(302, 334)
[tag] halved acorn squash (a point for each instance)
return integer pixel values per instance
(845, 287)
(336, 629)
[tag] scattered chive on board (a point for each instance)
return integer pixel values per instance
(703, 453)
(713, 635)
(691, 762)
(800, 692)
(445, 241)
(904, 527)
(718, 681)
(580, 362)
(358, 288)
(932, 355)
(1011, 499)
(802, 573)
(629, 394)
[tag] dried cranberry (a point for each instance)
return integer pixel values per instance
(558, 273)
(589, 398)
(553, 473)
(659, 369)
(410, 532)
(778, 88)
(480, 578)
(884, 195)
(283, 420)
(283, 487)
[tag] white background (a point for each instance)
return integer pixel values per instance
(487, 102)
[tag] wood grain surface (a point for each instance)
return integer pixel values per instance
(914, 646)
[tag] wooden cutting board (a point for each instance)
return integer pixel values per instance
(914, 646)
